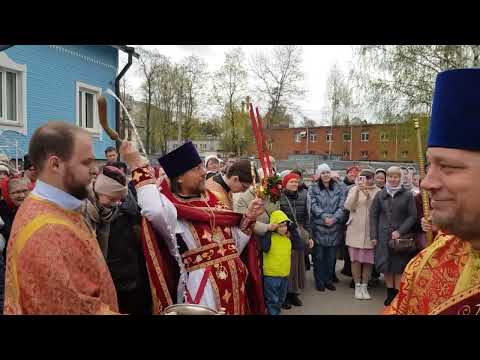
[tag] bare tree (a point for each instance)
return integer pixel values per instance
(229, 88)
(194, 78)
(150, 61)
(279, 77)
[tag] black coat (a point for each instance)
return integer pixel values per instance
(7, 215)
(402, 219)
(298, 202)
(126, 260)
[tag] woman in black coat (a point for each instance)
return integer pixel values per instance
(393, 214)
(293, 203)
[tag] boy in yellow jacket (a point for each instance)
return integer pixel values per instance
(277, 249)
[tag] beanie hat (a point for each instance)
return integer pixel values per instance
(107, 185)
(289, 177)
(322, 168)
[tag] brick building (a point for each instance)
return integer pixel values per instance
(374, 142)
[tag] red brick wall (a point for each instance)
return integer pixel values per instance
(283, 143)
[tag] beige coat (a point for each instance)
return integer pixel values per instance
(241, 202)
(358, 203)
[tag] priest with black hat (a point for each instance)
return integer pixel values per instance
(444, 278)
(203, 235)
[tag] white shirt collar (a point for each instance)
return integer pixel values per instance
(57, 196)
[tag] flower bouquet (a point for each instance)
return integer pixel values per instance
(271, 187)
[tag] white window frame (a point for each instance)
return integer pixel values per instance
(362, 154)
(298, 137)
(20, 70)
(348, 134)
(313, 138)
(97, 91)
(404, 154)
(362, 137)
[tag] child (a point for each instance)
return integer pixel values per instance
(277, 248)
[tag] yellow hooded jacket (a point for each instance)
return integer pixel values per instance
(276, 262)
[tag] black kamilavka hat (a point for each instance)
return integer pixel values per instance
(180, 160)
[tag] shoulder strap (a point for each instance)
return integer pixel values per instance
(292, 210)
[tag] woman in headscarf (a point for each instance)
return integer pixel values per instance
(380, 178)
(105, 196)
(14, 192)
(393, 215)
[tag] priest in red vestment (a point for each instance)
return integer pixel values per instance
(201, 234)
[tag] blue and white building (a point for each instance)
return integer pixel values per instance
(39, 83)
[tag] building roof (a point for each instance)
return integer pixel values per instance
(124, 48)
(127, 49)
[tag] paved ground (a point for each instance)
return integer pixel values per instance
(339, 302)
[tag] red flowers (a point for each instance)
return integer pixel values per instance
(271, 187)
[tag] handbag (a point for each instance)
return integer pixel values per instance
(302, 232)
(405, 244)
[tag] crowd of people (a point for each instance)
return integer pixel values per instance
(132, 238)
(331, 218)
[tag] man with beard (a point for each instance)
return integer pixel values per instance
(203, 236)
(54, 263)
(444, 278)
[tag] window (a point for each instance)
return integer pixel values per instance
(347, 137)
(312, 152)
(313, 138)
(364, 136)
(404, 154)
(12, 93)
(364, 155)
(298, 137)
(384, 155)
(383, 137)
(328, 137)
(87, 114)
(346, 154)
(297, 152)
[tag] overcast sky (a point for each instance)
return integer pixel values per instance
(317, 62)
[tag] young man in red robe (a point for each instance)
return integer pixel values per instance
(54, 262)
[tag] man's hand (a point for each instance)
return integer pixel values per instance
(374, 243)
(395, 235)
(131, 155)
(255, 209)
(272, 227)
(310, 243)
(427, 225)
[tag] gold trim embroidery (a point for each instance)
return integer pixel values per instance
(216, 292)
(204, 248)
(211, 262)
(455, 300)
(156, 265)
(235, 287)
